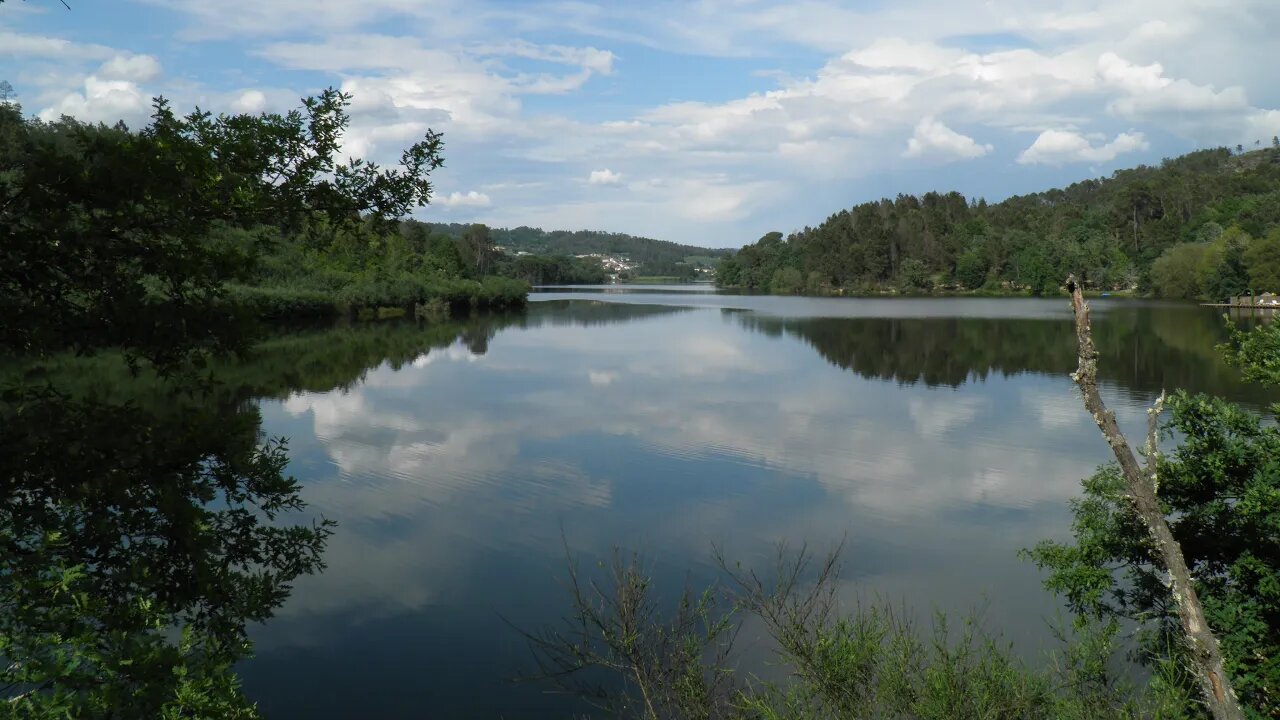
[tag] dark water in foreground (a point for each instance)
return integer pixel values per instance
(938, 436)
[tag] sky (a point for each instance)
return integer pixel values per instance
(709, 122)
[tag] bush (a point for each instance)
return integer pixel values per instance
(971, 269)
(281, 303)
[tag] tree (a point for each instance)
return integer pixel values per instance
(6, 91)
(108, 230)
(971, 269)
(1035, 271)
(138, 540)
(1229, 277)
(476, 249)
(1175, 274)
(786, 281)
(1213, 528)
(914, 275)
(728, 272)
(1262, 258)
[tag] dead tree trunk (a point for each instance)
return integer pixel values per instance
(1204, 651)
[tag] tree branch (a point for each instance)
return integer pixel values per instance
(1205, 654)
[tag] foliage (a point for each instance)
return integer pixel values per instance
(1262, 258)
(1110, 232)
(1175, 274)
(323, 273)
(1221, 489)
(668, 667)
(138, 540)
(971, 269)
(109, 233)
(871, 662)
(915, 276)
(552, 269)
(120, 527)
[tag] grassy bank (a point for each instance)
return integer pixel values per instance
(873, 292)
(412, 295)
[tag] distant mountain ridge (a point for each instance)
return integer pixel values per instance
(654, 256)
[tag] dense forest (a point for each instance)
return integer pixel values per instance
(654, 258)
(1204, 225)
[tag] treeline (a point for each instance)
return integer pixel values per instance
(653, 257)
(322, 271)
(1201, 225)
(198, 224)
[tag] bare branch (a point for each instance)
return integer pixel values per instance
(1153, 440)
(1205, 654)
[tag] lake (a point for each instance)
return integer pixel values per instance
(935, 437)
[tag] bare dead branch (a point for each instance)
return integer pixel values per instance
(1205, 654)
(1153, 441)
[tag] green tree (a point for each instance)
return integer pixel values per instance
(728, 272)
(108, 231)
(914, 275)
(1175, 274)
(1219, 488)
(971, 268)
(1262, 258)
(138, 542)
(786, 281)
(1035, 271)
(477, 249)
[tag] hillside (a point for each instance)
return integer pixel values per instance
(1201, 225)
(654, 257)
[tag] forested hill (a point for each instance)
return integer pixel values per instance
(648, 252)
(1201, 225)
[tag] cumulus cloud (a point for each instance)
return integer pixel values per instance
(130, 68)
(605, 177)
(932, 138)
(250, 101)
(896, 81)
(1056, 147)
(459, 199)
(101, 100)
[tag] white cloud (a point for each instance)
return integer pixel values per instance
(932, 138)
(131, 68)
(1128, 76)
(911, 71)
(602, 378)
(41, 46)
(588, 58)
(604, 177)
(101, 100)
(250, 101)
(1056, 147)
(467, 199)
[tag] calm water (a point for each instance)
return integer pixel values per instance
(938, 436)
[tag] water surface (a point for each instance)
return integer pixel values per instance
(936, 437)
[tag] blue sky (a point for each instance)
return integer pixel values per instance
(702, 121)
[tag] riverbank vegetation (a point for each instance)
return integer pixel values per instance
(1204, 225)
(139, 540)
(183, 230)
